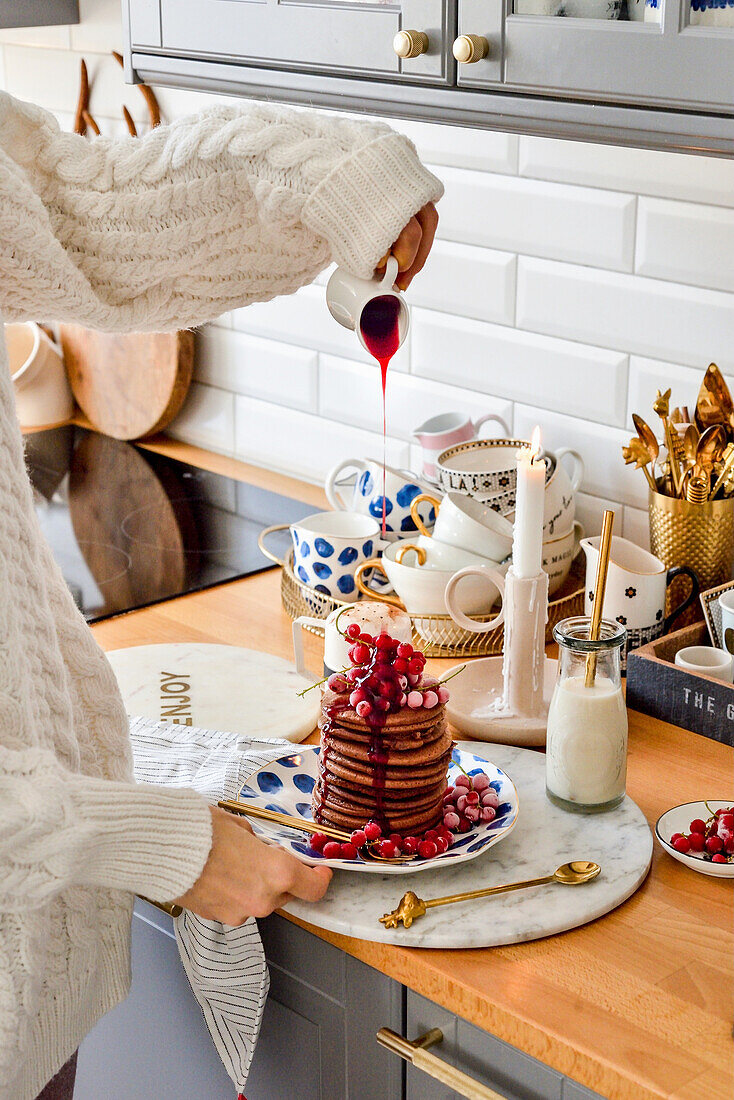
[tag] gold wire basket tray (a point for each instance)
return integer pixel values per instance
(435, 635)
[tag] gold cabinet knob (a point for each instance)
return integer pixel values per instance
(410, 43)
(469, 48)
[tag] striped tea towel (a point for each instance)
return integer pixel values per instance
(225, 966)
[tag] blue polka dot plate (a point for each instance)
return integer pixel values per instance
(286, 785)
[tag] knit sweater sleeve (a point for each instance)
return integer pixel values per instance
(61, 829)
(207, 214)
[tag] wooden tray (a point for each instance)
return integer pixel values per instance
(661, 689)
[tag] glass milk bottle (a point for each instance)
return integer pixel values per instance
(586, 745)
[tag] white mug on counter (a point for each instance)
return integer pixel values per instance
(708, 660)
(347, 297)
(373, 617)
(327, 549)
(365, 495)
(726, 603)
(558, 556)
(447, 429)
(43, 396)
(467, 524)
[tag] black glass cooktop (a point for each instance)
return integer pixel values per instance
(129, 527)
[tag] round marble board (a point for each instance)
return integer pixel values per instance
(544, 838)
(218, 687)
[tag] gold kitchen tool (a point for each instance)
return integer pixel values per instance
(690, 443)
(600, 584)
(638, 453)
(714, 404)
(661, 406)
(726, 469)
(696, 484)
(648, 437)
(412, 907)
(700, 536)
(711, 446)
(245, 810)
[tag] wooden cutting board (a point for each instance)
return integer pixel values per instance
(132, 385)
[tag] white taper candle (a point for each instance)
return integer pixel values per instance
(527, 546)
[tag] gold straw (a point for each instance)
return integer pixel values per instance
(600, 584)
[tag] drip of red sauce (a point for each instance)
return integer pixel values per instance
(380, 328)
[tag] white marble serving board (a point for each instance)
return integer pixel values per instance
(544, 838)
(218, 687)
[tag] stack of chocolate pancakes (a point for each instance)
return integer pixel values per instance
(392, 772)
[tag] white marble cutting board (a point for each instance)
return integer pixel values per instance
(544, 838)
(217, 687)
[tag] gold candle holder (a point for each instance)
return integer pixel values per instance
(700, 536)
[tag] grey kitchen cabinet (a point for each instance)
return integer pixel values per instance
(513, 1074)
(317, 1038)
(38, 13)
(662, 84)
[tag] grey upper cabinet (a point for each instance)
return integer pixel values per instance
(38, 13)
(657, 74)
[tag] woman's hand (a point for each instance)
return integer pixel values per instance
(413, 245)
(243, 877)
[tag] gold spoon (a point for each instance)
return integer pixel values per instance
(690, 443)
(711, 446)
(648, 437)
(714, 404)
(245, 810)
(411, 906)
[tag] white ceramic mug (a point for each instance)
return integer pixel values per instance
(708, 660)
(365, 494)
(446, 430)
(467, 524)
(480, 468)
(561, 486)
(327, 549)
(558, 556)
(347, 296)
(373, 616)
(420, 574)
(43, 397)
(726, 603)
(637, 583)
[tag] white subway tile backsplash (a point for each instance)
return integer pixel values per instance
(637, 526)
(590, 513)
(644, 316)
(52, 81)
(99, 29)
(538, 219)
(207, 419)
(643, 171)
(554, 374)
(307, 446)
(486, 150)
(467, 281)
(686, 243)
(601, 447)
(44, 37)
(249, 365)
(351, 392)
(304, 319)
(647, 376)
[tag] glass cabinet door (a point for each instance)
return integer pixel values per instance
(394, 39)
(645, 53)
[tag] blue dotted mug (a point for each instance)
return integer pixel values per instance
(328, 548)
(362, 491)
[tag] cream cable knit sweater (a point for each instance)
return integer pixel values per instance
(159, 232)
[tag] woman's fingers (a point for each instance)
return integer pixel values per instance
(310, 883)
(427, 218)
(412, 246)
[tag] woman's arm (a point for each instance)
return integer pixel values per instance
(207, 214)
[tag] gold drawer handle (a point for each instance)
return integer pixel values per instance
(416, 1053)
(469, 48)
(164, 906)
(410, 43)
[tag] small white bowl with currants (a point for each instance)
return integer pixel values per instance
(700, 835)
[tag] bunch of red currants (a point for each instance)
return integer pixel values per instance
(712, 839)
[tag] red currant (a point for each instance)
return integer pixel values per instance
(697, 826)
(372, 830)
(451, 820)
(472, 799)
(427, 849)
(410, 845)
(318, 840)
(463, 781)
(414, 666)
(697, 841)
(358, 838)
(449, 796)
(431, 834)
(714, 844)
(359, 653)
(367, 639)
(384, 641)
(353, 631)
(442, 844)
(464, 826)
(364, 709)
(727, 820)
(348, 851)
(397, 840)
(332, 850)
(729, 845)
(337, 684)
(718, 858)
(400, 665)
(682, 844)
(387, 849)
(675, 837)
(405, 649)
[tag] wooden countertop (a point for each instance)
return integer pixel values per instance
(635, 1005)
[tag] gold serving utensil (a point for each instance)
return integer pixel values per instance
(245, 810)
(638, 453)
(726, 473)
(711, 446)
(411, 906)
(690, 443)
(696, 485)
(661, 407)
(648, 437)
(714, 404)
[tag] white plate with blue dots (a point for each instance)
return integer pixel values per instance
(286, 786)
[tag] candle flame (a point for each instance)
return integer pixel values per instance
(535, 445)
